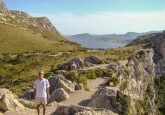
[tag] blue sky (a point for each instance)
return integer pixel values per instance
(97, 16)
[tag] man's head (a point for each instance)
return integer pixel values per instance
(40, 74)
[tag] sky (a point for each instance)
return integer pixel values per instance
(97, 16)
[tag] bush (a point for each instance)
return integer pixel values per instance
(98, 72)
(123, 102)
(72, 75)
(107, 73)
(114, 80)
(89, 74)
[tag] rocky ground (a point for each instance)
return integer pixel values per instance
(119, 93)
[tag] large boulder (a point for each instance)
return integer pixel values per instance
(59, 81)
(8, 101)
(110, 99)
(59, 95)
(79, 110)
(103, 98)
(93, 60)
(74, 64)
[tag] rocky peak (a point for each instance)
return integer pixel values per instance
(3, 7)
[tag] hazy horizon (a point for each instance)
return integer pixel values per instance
(97, 17)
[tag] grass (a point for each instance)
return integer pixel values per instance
(15, 40)
(29, 105)
(160, 94)
(18, 72)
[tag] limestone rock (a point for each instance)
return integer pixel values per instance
(110, 99)
(59, 81)
(59, 95)
(93, 60)
(73, 66)
(79, 110)
(75, 63)
(84, 113)
(8, 101)
(103, 98)
(79, 86)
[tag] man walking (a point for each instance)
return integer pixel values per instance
(41, 89)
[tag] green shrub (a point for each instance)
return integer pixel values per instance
(72, 75)
(124, 102)
(107, 73)
(28, 105)
(160, 94)
(114, 80)
(98, 72)
(89, 74)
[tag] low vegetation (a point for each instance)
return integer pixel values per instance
(160, 94)
(23, 52)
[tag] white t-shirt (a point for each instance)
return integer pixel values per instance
(41, 86)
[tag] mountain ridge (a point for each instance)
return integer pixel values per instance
(106, 40)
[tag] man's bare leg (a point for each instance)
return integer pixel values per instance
(44, 109)
(38, 109)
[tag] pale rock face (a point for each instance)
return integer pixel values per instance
(84, 113)
(79, 110)
(59, 81)
(105, 98)
(59, 95)
(141, 76)
(8, 101)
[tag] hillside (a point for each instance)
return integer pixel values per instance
(22, 33)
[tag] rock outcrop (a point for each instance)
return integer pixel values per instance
(59, 81)
(74, 64)
(77, 63)
(136, 80)
(59, 95)
(93, 60)
(41, 25)
(79, 110)
(8, 101)
(110, 99)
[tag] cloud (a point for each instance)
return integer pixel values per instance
(108, 22)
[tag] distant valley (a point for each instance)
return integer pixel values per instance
(107, 40)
